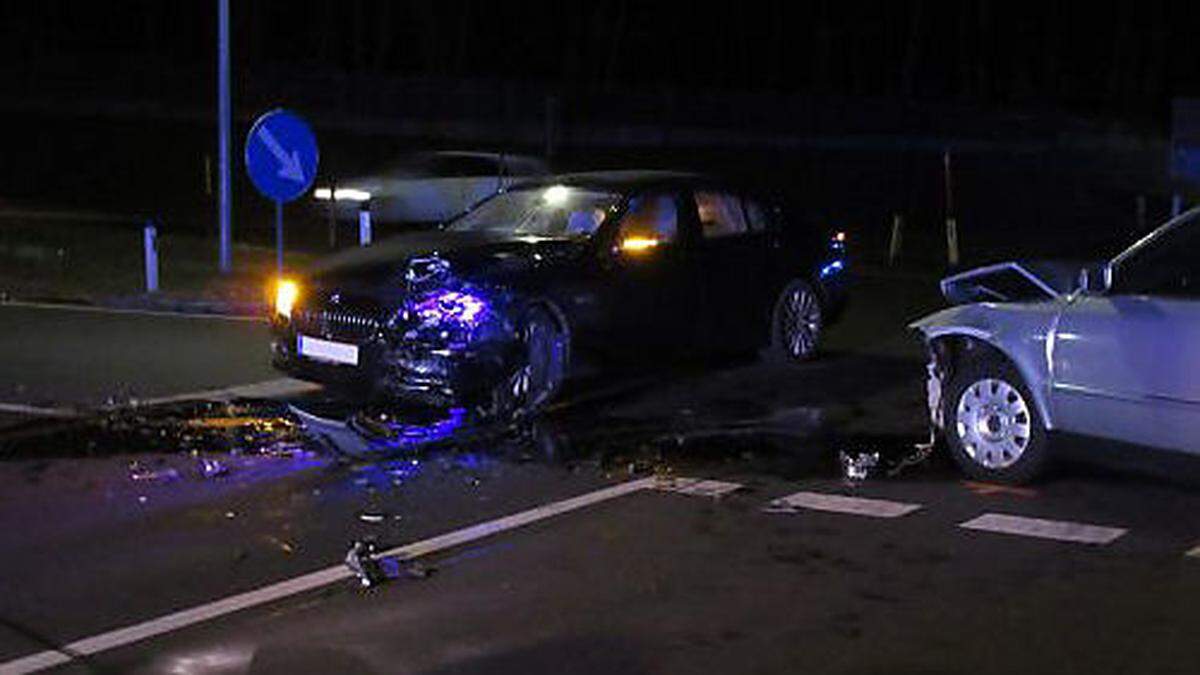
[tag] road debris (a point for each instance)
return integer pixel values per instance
(362, 560)
(212, 468)
(861, 464)
(144, 474)
(858, 465)
(373, 569)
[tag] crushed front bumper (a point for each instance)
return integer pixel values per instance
(406, 370)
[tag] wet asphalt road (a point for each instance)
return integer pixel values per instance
(653, 581)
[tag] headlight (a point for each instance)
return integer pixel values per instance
(287, 292)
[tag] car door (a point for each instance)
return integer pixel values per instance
(1126, 362)
(731, 258)
(650, 298)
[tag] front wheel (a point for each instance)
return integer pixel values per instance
(538, 378)
(993, 427)
(796, 323)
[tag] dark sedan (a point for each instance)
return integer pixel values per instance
(495, 309)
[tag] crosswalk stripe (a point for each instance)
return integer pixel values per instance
(859, 506)
(696, 486)
(1059, 530)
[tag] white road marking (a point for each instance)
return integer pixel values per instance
(284, 386)
(696, 486)
(189, 617)
(136, 312)
(1059, 530)
(858, 506)
(38, 411)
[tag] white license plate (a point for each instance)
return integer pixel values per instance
(325, 350)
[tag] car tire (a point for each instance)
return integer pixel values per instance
(797, 321)
(539, 378)
(994, 430)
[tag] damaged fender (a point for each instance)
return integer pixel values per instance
(1021, 331)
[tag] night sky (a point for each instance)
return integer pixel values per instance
(1123, 61)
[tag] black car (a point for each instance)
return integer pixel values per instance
(494, 309)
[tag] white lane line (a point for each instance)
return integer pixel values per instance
(38, 411)
(135, 312)
(284, 386)
(858, 506)
(696, 486)
(189, 617)
(1059, 530)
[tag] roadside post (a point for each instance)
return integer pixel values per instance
(952, 256)
(897, 240)
(364, 223)
(150, 249)
(332, 216)
(281, 159)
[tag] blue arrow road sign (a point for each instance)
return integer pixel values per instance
(281, 155)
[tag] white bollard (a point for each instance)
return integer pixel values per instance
(952, 241)
(897, 238)
(364, 226)
(150, 247)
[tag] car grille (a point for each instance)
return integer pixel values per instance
(339, 323)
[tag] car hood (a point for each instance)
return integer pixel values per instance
(1018, 281)
(474, 256)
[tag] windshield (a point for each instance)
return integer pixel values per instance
(555, 211)
(1163, 262)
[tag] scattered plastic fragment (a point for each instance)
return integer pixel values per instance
(371, 517)
(417, 570)
(283, 545)
(921, 452)
(362, 560)
(142, 473)
(857, 466)
(372, 569)
(211, 468)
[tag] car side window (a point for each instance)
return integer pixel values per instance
(756, 216)
(720, 215)
(651, 217)
(1168, 267)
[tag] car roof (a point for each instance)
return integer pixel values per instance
(622, 180)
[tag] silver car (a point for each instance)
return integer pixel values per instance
(1110, 351)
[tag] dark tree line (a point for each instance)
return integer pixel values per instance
(1121, 59)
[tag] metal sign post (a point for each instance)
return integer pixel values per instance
(281, 158)
(278, 237)
(225, 209)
